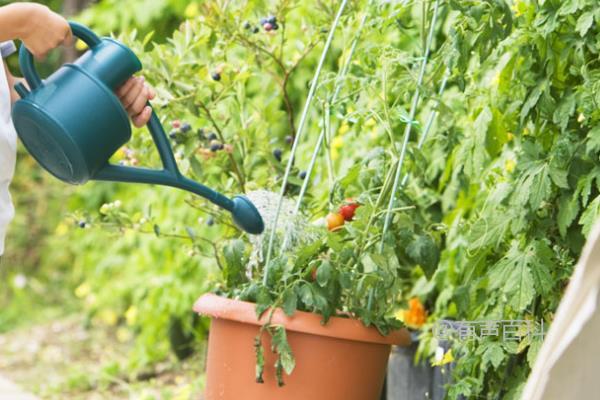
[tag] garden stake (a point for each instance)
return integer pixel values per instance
(338, 86)
(309, 99)
(72, 124)
(430, 120)
(409, 124)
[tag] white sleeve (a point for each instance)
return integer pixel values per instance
(7, 48)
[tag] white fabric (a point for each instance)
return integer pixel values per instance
(8, 148)
(568, 364)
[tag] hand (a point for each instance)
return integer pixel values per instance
(134, 95)
(43, 30)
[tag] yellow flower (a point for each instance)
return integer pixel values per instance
(83, 290)
(123, 334)
(131, 315)
(109, 317)
(510, 136)
(61, 229)
(446, 359)
(192, 10)
(335, 154)
(509, 165)
(337, 142)
(370, 122)
(344, 128)
(399, 315)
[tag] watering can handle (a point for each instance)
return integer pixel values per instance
(26, 58)
(169, 176)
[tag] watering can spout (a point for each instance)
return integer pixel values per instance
(244, 213)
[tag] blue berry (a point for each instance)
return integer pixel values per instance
(215, 76)
(263, 21)
(247, 25)
(210, 221)
(289, 139)
(275, 26)
(173, 134)
(212, 136)
(302, 174)
(272, 19)
(216, 147)
(256, 29)
(185, 127)
(277, 153)
(82, 224)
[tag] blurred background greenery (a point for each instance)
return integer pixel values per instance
(53, 268)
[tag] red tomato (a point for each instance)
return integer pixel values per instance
(348, 209)
(334, 221)
(313, 274)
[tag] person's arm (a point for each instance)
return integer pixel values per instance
(35, 25)
(42, 30)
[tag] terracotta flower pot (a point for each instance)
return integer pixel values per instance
(342, 360)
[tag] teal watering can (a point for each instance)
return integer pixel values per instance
(72, 123)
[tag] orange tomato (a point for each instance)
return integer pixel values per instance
(334, 221)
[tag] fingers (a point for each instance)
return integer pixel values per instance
(142, 118)
(133, 92)
(68, 39)
(124, 89)
(134, 95)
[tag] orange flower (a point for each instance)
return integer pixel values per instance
(416, 315)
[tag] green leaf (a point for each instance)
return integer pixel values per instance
(280, 345)
(564, 111)
(496, 135)
(540, 266)
(290, 302)
(493, 355)
(423, 251)
(533, 351)
(263, 301)
(568, 209)
(306, 295)
(196, 167)
(590, 216)
(584, 23)
(324, 273)
(534, 187)
(512, 274)
(488, 231)
(593, 141)
(520, 286)
(234, 271)
(532, 100)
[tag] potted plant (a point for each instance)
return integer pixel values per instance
(317, 320)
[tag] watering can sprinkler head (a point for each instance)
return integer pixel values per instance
(246, 216)
(72, 123)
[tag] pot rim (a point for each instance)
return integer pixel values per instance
(216, 306)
